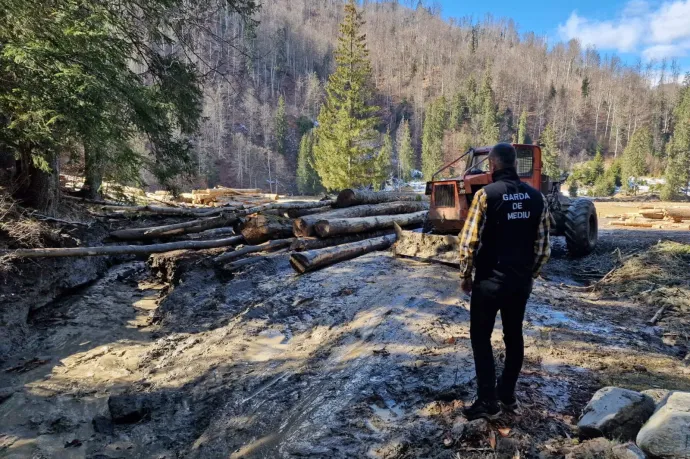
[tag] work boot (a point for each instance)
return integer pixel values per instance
(487, 409)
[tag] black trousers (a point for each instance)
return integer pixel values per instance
(488, 297)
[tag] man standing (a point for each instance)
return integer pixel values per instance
(506, 240)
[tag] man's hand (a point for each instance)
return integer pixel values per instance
(466, 285)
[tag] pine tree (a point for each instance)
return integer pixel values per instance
(522, 128)
(382, 165)
(457, 111)
(308, 181)
(550, 153)
(634, 160)
(405, 151)
(432, 138)
(677, 172)
(345, 138)
(489, 128)
(281, 127)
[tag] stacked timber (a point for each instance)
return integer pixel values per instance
(315, 233)
(649, 216)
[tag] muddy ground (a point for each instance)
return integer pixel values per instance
(368, 358)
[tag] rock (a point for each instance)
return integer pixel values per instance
(615, 413)
(458, 428)
(658, 395)
(596, 448)
(506, 448)
(629, 451)
(667, 433)
(128, 408)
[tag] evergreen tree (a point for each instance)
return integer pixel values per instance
(382, 165)
(68, 85)
(489, 128)
(432, 137)
(345, 138)
(457, 111)
(281, 127)
(405, 151)
(550, 153)
(677, 172)
(308, 181)
(634, 159)
(598, 166)
(522, 128)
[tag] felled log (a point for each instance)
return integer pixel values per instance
(297, 213)
(122, 249)
(311, 260)
(261, 228)
(194, 226)
(633, 224)
(678, 214)
(268, 246)
(653, 214)
(313, 243)
(339, 226)
(349, 198)
(304, 226)
(228, 231)
(235, 265)
(168, 211)
(427, 247)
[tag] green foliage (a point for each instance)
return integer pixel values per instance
(677, 172)
(522, 128)
(308, 181)
(634, 160)
(605, 185)
(550, 152)
(281, 127)
(304, 124)
(344, 140)
(458, 108)
(382, 166)
(68, 81)
(572, 186)
(405, 151)
(432, 137)
(584, 90)
(489, 129)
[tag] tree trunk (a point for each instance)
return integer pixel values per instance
(349, 198)
(155, 232)
(122, 249)
(304, 227)
(235, 265)
(93, 174)
(271, 245)
(336, 227)
(264, 227)
(312, 260)
(35, 187)
(303, 244)
(297, 213)
(678, 214)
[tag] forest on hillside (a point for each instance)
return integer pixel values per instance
(262, 72)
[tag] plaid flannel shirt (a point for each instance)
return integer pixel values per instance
(470, 237)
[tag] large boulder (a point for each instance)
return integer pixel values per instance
(667, 433)
(603, 448)
(615, 413)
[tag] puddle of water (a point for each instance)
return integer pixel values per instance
(545, 315)
(391, 413)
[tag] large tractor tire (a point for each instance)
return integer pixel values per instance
(581, 227)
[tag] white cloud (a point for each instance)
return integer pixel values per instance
(656, 33)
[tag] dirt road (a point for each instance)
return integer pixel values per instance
(368, 358)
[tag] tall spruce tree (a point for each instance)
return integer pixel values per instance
(405, 151)
(344, 147)
(432, 137)
(550, 152)
(308, 181)
(281, 127)
(634, 160)
(522, 128)
(382, 165)
(489, 126)
(677, 172)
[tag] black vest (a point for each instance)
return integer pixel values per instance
(514, 210)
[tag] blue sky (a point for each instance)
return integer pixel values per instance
(634, 29)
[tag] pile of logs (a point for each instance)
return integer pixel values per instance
(315, 233)
(229, 196)
(651, 216)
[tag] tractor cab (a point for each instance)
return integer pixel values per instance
(451, 197)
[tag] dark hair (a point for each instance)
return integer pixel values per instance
(504, 154)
